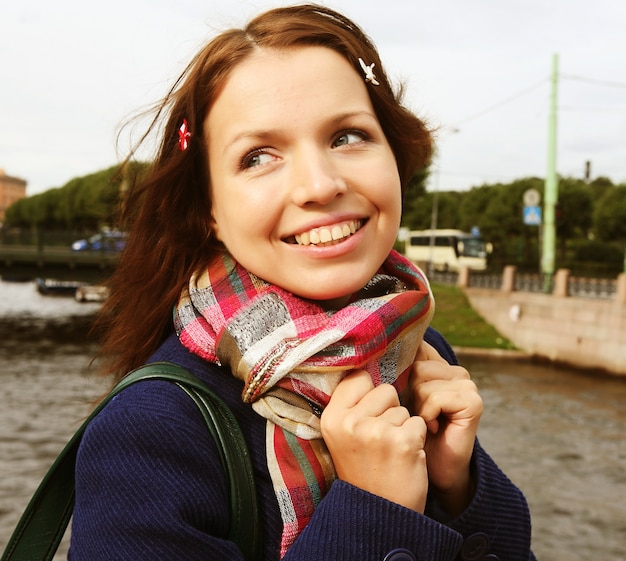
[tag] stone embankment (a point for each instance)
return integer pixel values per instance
(584, 333)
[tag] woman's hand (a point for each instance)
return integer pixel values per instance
(375, 443)
(448, 401)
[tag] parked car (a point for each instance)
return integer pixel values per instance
(112, 240)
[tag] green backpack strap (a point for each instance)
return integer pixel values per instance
(43, 524)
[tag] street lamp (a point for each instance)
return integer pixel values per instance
(434, 216)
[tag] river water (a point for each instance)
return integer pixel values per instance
(558, 434)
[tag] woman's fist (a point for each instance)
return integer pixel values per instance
(375, 443)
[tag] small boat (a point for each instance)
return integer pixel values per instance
(54, 287)
(91, 293)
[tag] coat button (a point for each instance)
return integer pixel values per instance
(400, 555)
(474, 547)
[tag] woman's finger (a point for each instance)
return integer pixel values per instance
(351, 389)
(428, 352)
(455, 400)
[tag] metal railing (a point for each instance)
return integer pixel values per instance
(581, 287)
(578, 287)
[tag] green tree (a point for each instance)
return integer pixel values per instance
(609, 219)
(473, 205)
(502, 223)
(84, 203)
(420, 215)
(448, 215)
(413, 199)
(599, 186)
(574, 213)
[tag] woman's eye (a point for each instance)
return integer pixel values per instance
(350, 137)
(256, 158)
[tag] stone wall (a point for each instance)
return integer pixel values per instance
(581, 332)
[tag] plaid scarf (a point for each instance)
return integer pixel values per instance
(291, 354)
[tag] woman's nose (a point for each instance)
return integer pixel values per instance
(316, 178)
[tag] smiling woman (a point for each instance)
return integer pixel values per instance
(259, 257)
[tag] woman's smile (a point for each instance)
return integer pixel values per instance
(326, 235)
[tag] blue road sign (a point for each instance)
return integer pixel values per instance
(532, 215)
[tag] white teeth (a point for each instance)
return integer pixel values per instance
(327, 235)
(337, 232)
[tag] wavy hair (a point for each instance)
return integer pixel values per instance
(167, 213)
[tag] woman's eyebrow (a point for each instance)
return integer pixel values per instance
(257, 135)
(350, 115)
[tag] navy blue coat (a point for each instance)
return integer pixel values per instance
(150, 486)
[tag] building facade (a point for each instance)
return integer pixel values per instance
(11, 189)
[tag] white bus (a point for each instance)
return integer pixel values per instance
(447, 250)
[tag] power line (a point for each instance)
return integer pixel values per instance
(583, 109)
(593, 81)
(531, 88)
(502, 102)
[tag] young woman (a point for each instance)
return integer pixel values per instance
(266, 223)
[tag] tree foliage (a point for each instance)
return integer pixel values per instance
(83, 204)
(610, 215)
(584, 211)
(413, 195)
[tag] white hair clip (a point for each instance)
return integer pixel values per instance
(369, 72)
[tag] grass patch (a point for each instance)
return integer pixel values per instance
(460, 324)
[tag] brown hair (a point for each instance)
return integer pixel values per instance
(168, 212)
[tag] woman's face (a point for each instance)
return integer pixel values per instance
(305, 188)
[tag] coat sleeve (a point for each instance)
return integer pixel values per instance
(351, 523)
(498, 519)
(496, 525)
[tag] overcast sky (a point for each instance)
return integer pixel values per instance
(72, 71)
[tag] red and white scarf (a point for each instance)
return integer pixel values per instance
(291, 354)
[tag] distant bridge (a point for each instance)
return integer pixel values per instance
(25, 262)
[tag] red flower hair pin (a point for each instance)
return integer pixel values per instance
(183, 136)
